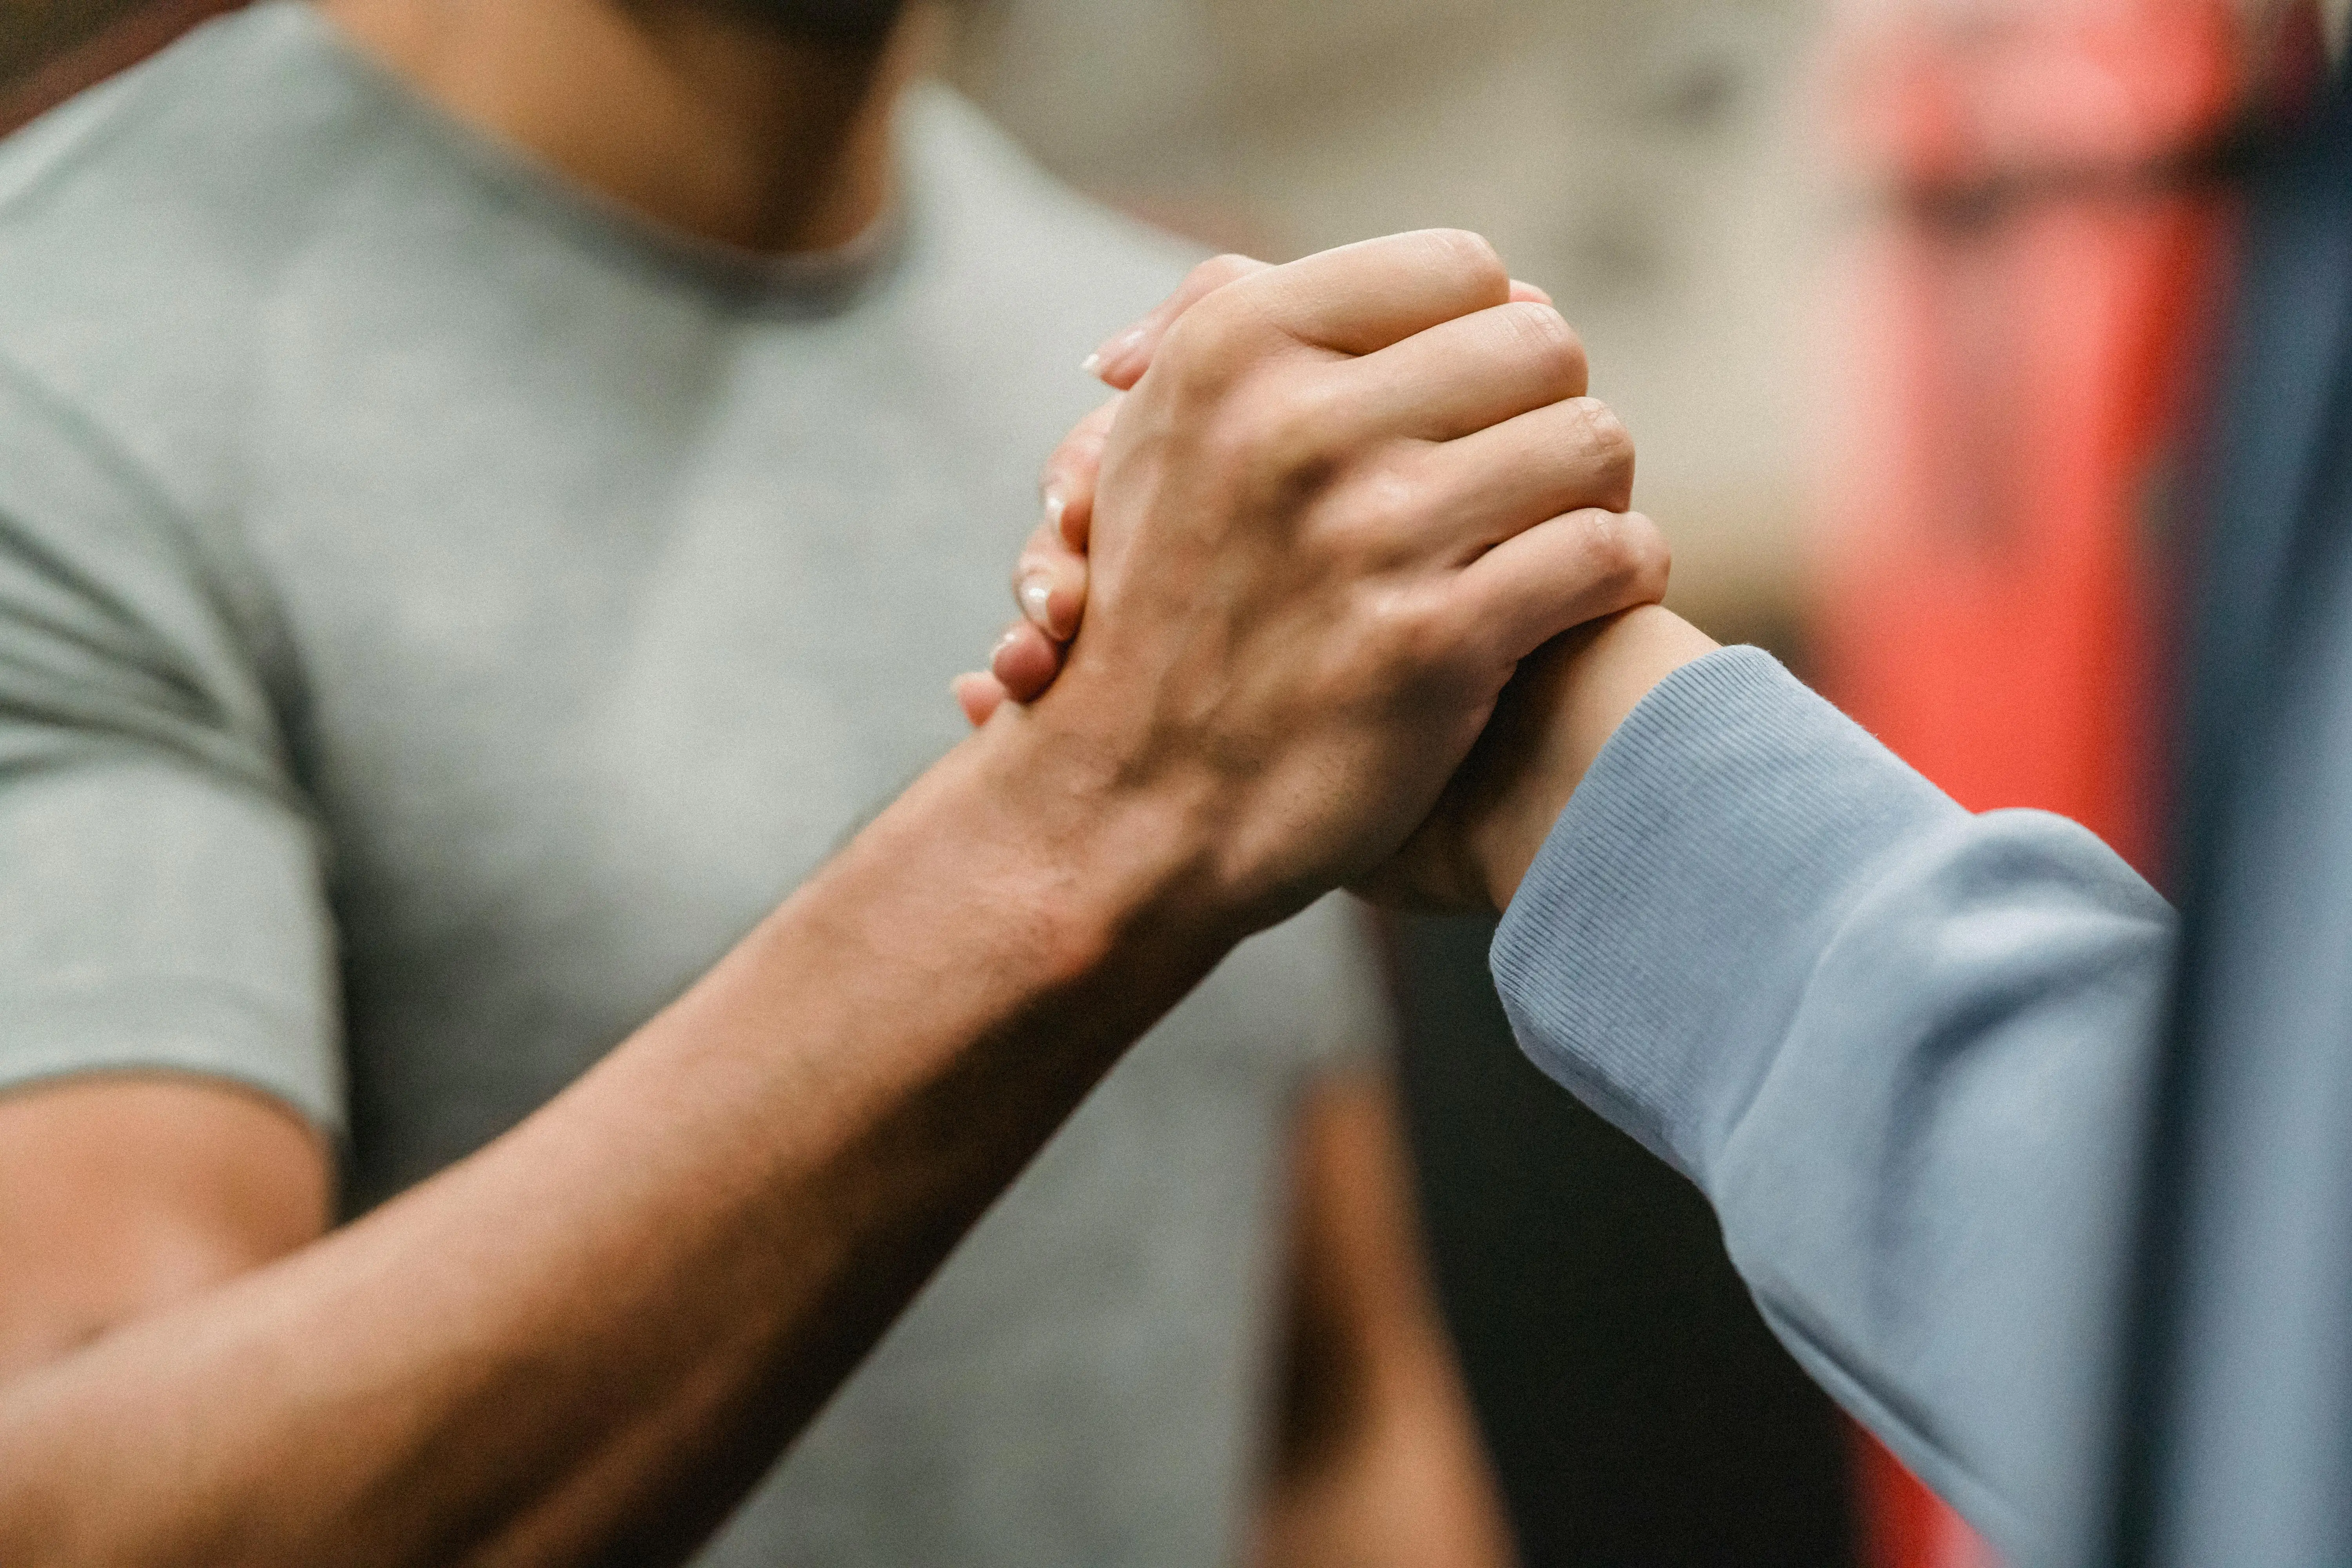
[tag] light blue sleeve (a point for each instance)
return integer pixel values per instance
(1905, 1051)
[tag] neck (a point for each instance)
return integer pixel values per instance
(703, 121)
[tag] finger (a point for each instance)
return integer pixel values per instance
(1572, 455)
(1067, 483)
(1049, 584)
(1125, 356)
(1027, 660)
(1122, 359)
(979, 694)
(1463, 375)
(1361, 298)
(1560, 574)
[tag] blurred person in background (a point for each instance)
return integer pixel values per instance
(490, 495)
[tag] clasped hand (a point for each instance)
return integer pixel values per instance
(1334, 507)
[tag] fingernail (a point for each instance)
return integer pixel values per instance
(996, 658)
(1036, 597)
(1117, 349)
(1092, 364)
(1057, 503)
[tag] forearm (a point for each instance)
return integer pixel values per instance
(1408, 1484)
(1377, 1457)
(582, 1344)
(1559, 712)
(1902, 1049)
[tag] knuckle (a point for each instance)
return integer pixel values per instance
(1652, 555)
(1604, 439)
(1469, 256)
(1209, 348)
(1289, 432)
(1240, 448)
(1605, 428)
(1418, 636)
(1219, 270)
(1303, 425)
(1543, 335)
(1629, 553)
(1391, 628)
(1224, 319)
(1381, 515)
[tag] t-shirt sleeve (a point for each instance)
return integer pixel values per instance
(161, 887)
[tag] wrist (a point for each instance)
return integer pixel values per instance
(1107, 872)
(1587, 686)
(1005, 896)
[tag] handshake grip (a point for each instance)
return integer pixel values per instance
(1287, 573)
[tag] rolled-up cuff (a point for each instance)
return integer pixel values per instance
(1685, 893)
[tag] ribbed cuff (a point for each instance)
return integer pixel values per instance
(1660, 941)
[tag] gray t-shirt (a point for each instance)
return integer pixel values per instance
(439, 614)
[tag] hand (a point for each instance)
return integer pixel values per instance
(1049, 580)
(1343, 500)
(1553, 719)
(1495, 813)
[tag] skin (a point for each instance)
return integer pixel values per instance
(737, 134)
(1562, 709)
(1561, 706)
(130, 1195)
(1306, 591)
(125, 1194)
(1376, 1459)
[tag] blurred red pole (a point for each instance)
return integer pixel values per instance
(2023, 313)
